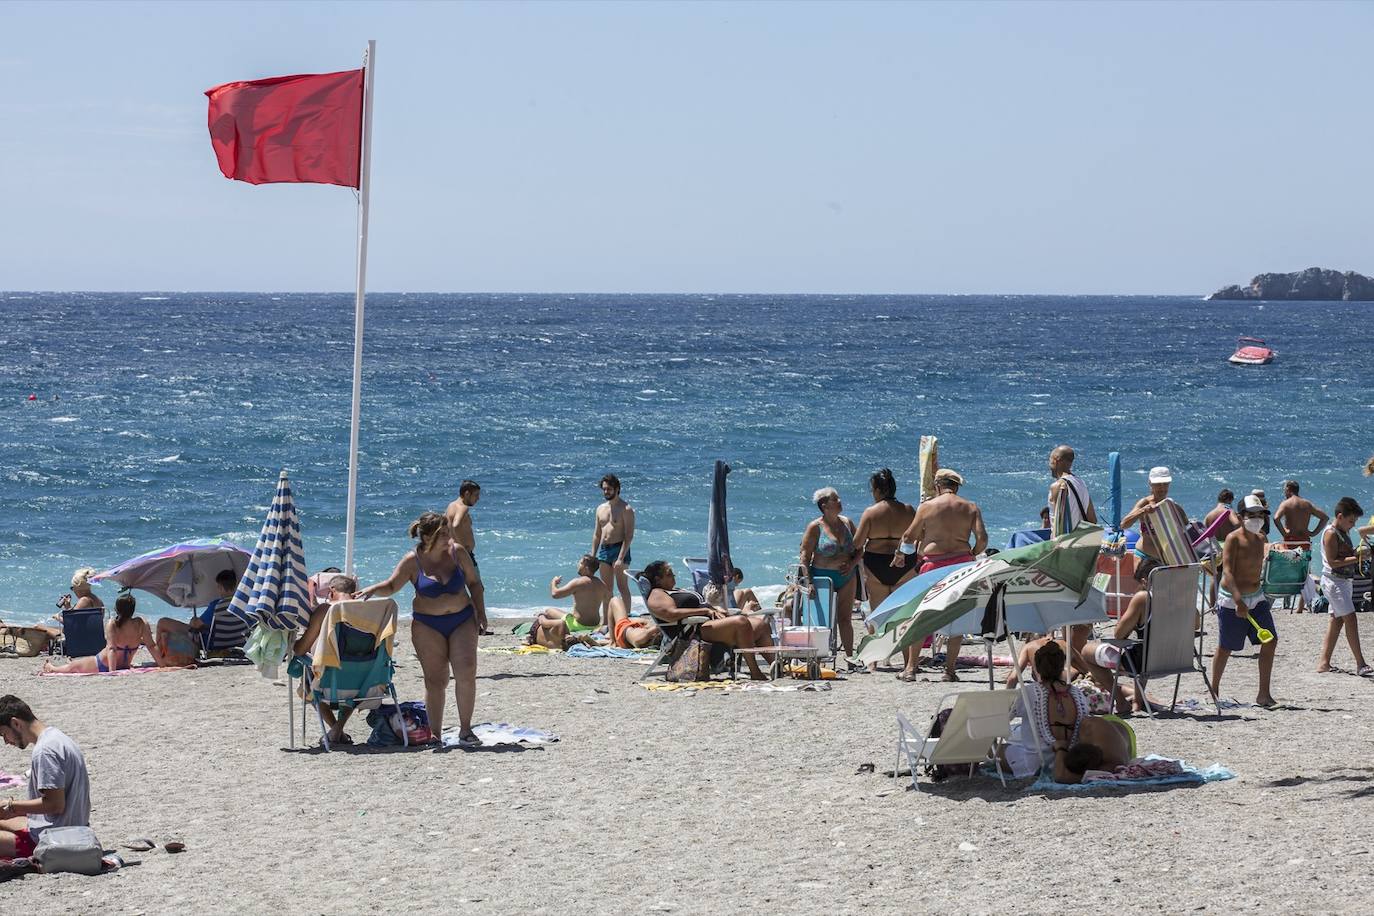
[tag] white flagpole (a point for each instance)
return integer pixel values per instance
(364, 190)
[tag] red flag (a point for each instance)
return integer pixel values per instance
(289, 128)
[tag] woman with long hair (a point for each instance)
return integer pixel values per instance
(880, 531)
(668, 604)
(447, 613)
(125, 634)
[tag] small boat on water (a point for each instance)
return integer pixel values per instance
(1251, 351)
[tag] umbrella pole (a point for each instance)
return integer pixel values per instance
(290, 709)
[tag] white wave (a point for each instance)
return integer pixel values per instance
(153, 298)
(77, 419)
(176, 457)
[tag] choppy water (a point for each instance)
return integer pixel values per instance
(165, 416)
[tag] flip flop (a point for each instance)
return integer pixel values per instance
(1366, 671)
(903, 676)
(141, 844)
(174, 845)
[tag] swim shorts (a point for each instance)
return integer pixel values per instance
(610, 553)
(1233, 632)
(1340, 595)
(24, 844)
(623, 624)
(575, 625)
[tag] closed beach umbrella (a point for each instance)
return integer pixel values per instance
(273, 590)
(183, 574)
(718, 562)
(1114, 472)
(1055, 572)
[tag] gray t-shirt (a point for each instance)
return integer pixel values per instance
(57, 763)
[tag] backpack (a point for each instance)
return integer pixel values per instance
(940, 771)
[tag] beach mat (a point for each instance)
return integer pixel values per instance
(1187, 775)
(141, 669)
(503, 734)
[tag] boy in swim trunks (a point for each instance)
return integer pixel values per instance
(1241, 599)
(555, 629)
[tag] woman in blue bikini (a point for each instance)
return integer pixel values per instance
(827, 551)
(124, 636)
(448, 611)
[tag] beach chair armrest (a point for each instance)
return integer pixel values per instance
(693, 621)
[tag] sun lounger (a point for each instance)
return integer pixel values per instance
(978, 721)
(1170, 646)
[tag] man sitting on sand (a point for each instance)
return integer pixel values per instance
(1241, 602)
(341, 588)
(555, 629)
(59, 792)
(946, 531)
(632, 632)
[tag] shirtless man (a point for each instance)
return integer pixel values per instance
(1223, 507)
(615, 529)
(1242, 600)
(459, 514)
(1146, 552)
(340, 588)
(1081, 508)
(1294, 517)
(745, 599)
(940, 535)
(555, 629)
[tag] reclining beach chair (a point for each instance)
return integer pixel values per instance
(229, 630)
(672, 632)
(83, 632)
(701, 577)
(978, 722)
(1285, 571)
(1169, 646)
(351, 664)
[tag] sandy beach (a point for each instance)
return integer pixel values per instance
(695, 802)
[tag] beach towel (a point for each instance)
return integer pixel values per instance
(141, 669)
(579, 650)
(8, 781)
(502, 734)
(1168, 525)
(266, 648)
(514, 650)
(1143, 772)
(736, 686)
(1070, 505)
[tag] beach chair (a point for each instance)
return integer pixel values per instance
(673, 633)
(1170, 644)
(228, 630)
(701, 577)
(979, 721)
(1285, 572)
(351, 664)
(83, 632)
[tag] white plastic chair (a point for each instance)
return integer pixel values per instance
(977, 723)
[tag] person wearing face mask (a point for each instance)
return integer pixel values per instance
(1242, 602)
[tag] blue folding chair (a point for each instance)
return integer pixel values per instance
(83, 632)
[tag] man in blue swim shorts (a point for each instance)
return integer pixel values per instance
(615, 528)
(1243, 608)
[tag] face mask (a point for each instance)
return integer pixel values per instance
(1254, 525)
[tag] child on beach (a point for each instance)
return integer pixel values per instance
(1339, 562)
(1242, 603)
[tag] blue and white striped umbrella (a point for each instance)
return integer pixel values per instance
(273, 590)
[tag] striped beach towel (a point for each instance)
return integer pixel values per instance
(1168, 526)
(930, 463)
(1069, 506)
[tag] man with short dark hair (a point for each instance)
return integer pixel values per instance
(216, 627)
(460, 517)
(611, 537)
(59, 792)
(1223, 507)
(1294, 517)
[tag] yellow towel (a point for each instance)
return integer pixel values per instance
(376, 616)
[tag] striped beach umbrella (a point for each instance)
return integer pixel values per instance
(273, 590)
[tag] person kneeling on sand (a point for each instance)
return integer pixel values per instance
(124, 636)
(1241, 603)
(341, 588)
(739, 631)
(555, 629)
(59, 788)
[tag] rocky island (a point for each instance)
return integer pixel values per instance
(1315, 284)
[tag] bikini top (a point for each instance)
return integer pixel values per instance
(827, 546)
(1041, 712)
(429, 587)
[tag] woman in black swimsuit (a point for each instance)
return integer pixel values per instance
(449, 611)
(669, 605)
(879, 533)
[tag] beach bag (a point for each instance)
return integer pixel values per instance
(389, 723)
(940, 771)
(69, 849)
(693, 662)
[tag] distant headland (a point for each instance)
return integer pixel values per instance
(1315, 284)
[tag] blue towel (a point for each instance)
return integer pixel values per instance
(578, 650)
(1191, 775)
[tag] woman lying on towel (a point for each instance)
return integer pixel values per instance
(738, 631)
(124, 635)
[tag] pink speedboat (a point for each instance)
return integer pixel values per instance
(1251, 351)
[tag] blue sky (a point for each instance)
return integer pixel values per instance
(704, 147)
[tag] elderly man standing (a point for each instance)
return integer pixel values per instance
(946, 531)
(1069, 500)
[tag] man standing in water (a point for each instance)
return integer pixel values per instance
(459, 514)
(1242, 603)
(615, 528)
(1080, 503)
(940, 535)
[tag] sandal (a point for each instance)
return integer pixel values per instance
(1366, 671)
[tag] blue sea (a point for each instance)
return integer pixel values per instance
(160, 417)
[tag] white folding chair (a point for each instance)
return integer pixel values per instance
(978, 721)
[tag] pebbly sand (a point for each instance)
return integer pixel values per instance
(695, 803)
